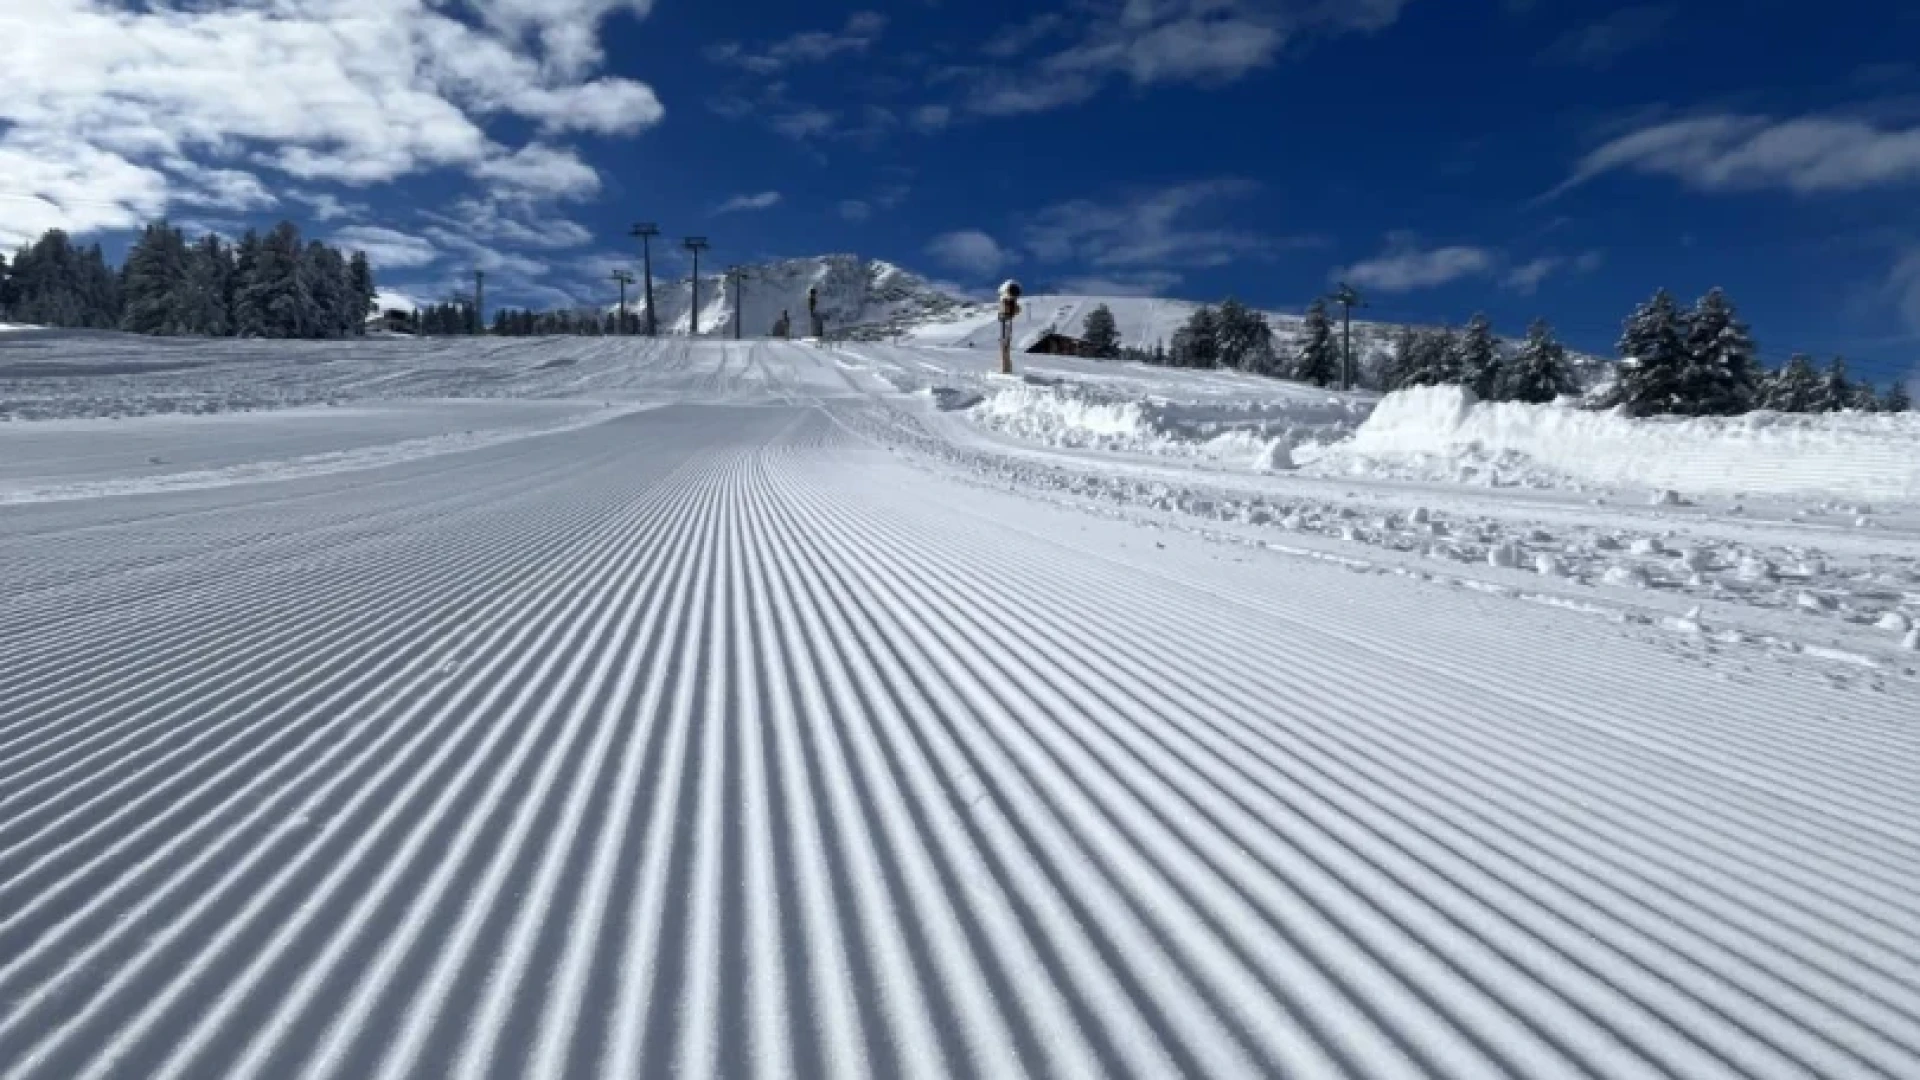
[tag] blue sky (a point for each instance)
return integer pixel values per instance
(1447, 156)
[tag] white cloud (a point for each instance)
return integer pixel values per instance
(1724, 153)
(862, 29)
(324, 207)
(1405, 267)
(516, 222)
(70, 185)
(856, 209)
(1148, 42)
(387, 247)
(1143, 284)
(1527, 277)
(969, 251)
(1599, 44)
(475, 255)
(542, 172)
(184, 102)
(803, 123)
(765, 200)
(1013, 40)
(932, 117)
(1150, 229)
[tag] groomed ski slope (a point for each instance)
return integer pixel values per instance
(726, 739)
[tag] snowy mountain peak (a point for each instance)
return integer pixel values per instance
(852, 292)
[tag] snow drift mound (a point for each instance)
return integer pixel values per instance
(1258, 435)
(1437, 430)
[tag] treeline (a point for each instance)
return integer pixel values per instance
(272, 286)
(579, 322)
(1700, 361)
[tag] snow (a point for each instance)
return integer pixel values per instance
(851, 292)
(1438, 431)
(386, 300)
(598, 707)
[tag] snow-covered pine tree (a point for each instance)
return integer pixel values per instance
(1720, 377)
(1896, 399)
(1197, 344)
(1834, 391)
(36, 282)
(1316, 360)
(1435, 360)
(1864, 398)
(154, 283)
(363, 290)
(202, 298)
(1477, 357)
(329, 287)
(246, 312)
(273, 299)
(1100, 333)
(1653, 362)
(1400, 364)
(1538, 371)
(1793, 388)
(7, 297)
(1246, 341)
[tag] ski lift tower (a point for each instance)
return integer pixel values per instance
(645, 231)
(737, 277)
(695, 244)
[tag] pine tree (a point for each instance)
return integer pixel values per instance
(1400, 363)
(274, 297)
(1720, 375)
(1653, 361)
(154, 283)
(1896, 400)
(202, 297)
(1538, 371)
(245, 311)
(1793, 388)
(363, 290)
(1477, 359)
(1246, 341)
(1197, 344)
(1433, 361)
(1101, 334)
(1835, 390)
(328, 289)
(1317, 361)
(7, 293)
(1864, 398)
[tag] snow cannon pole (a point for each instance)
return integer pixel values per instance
(1009, 308)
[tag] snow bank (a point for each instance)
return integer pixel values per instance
(1074, 417)
(1442, 429)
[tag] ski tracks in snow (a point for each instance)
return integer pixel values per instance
(710, 741)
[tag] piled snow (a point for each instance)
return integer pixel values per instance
(1263, 437)
(6, 326)
(1442, 431)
